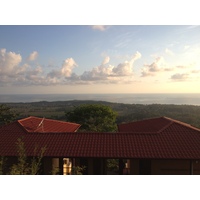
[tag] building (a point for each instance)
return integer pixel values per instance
(32, 127)
(163, 146)
(153, 146)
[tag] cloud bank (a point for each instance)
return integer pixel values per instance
(13, 71)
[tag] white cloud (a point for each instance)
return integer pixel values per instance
(54, 73)
(101, 72)
(13, 72)
(106, 60)
(126, 68)
(122, 73)
(68, 66)
(100, 27)
(9, 62)
(65, 71)
(160, 65)
(34, 72)
(21, 70)
(33, 56)
(123, 69)
(157, 66)
(179, 77)
(135, 57)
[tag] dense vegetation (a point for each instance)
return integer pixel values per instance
(6, 114)
(93, 118)
(126, 112)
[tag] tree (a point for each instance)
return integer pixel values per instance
(23, 166)
(6, 114)
(94, 117)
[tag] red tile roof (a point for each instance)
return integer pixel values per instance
(153, 125)
(42, 125)
(172, 140)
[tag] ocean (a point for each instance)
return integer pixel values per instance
(179, 99)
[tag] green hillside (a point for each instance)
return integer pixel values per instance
(126, 112)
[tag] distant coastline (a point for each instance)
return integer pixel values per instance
(165, 98)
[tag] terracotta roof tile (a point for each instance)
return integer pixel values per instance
(36, 124)
(145, 126)
(153, 125)
(172, 140)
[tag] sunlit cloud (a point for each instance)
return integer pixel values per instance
(33, 56)
(9, 62)
(68, 66)
(179, 77)
(104, 73)
(106, 60)
(14, 72)
(157, 66)
(126, 68)
(18, 72)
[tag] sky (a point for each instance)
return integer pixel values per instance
(46, 59)
(58, 47)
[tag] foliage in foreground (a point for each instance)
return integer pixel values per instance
(23, 166)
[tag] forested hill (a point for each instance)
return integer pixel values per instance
(126, 112)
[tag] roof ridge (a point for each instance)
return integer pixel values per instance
(33, 123)
(61, 121)
(141, 120)
(21, 125)
(19, 120)
(165, 127)
(181, 123)
(64, 122)
(48, 120)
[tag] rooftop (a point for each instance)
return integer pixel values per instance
(165, 139)
(153, 125)
(43, 125)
